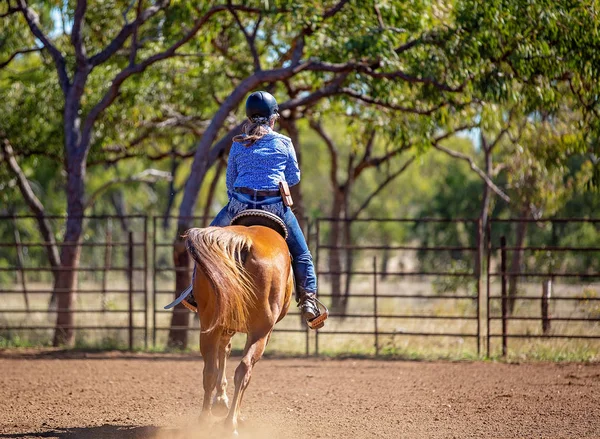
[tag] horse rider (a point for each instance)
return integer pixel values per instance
(259, 160)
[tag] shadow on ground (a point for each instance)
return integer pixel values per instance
(92, 354)
(193, 431)
(103, 431)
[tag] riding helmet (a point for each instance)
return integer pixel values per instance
(261, 104)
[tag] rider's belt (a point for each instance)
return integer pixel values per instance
(260, 193)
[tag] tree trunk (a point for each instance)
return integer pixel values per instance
(299, 207)
(180, 318)
(335, 259)
(481, 234)
(349, 262)
(348, 236)
(172, 192)
(211, 191)
(385, 258)
(199, 168)
(118, 202)
(36, 207)
(65, 283)
(64, 288)
(516, 262)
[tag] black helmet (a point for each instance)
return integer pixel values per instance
(261, 104)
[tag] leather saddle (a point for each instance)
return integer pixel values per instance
(258, 217)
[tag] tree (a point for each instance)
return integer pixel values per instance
(148, 36)
(357, 50)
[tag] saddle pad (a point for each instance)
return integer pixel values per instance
(257, 217)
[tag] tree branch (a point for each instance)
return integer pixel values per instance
(17, 53)
(250, 39)
(9, 11)
(76, 38)
(125, 32)
(134, 38)
(474, 167)
(59, 61)
(219, 148)
(147, 176)
(368, 151)
(369, 100)
(332, 87)
(146, 156)
(370, 69)
(32, 201)
(118, 80)
(333, 152)
(297, 48)
(334, 9)
(383, 184)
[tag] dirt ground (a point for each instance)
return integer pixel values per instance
(48, 394)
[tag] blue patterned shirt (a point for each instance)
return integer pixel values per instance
(264, 164)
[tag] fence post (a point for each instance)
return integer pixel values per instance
(308, 223)
(504, 294)
(478, 279)
(154, 283)
(107, 261)
(375, 305)
(21, 263)
(488, 284)
(130, 272)
(317, 270)
(145, 282)
(546, 294)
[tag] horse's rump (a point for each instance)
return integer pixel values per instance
(220, 253)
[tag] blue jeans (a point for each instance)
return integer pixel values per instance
(302, 262)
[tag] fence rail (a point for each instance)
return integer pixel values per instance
(104, 307)
(490, 291)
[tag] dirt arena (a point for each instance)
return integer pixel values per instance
(45, 394)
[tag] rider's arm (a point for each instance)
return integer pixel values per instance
(232, 171)
(292, 171)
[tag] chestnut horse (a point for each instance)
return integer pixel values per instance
(243, 283)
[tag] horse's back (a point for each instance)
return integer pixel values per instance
(270, 266)
(267, 244)
(266, 264)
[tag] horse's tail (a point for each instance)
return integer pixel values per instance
(219, 253)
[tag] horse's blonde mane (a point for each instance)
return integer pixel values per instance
(218, 252)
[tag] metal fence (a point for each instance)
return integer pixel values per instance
(559, 296)
(394, 286)
(112, 299)
(387, 302)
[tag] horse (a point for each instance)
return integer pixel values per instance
(243, 283)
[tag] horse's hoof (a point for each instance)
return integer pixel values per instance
(204, 417)
(220, 407)
(229, 426)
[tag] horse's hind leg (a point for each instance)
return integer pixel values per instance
(220, 404)
(255, 347)
(209, 344)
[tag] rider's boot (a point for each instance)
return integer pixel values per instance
(308, 307)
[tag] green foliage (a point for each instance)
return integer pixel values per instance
(460, 63)
(457, 283)
(589, 303)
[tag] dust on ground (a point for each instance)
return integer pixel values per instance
(75, 395)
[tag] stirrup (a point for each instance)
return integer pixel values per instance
(319, 321)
